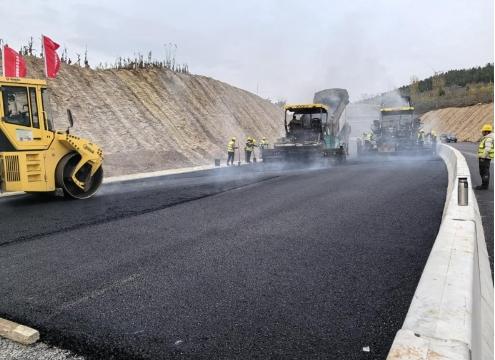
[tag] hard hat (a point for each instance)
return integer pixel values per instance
(433, 132)
(233, 138)
(264, 138)
(421, 131)
(487, 127)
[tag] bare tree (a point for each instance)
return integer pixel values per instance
(86, 62)
(30, 48)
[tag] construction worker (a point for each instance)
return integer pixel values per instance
(421, 138)
(254, 152)
(433, 138)
(485, 156)
(294, 123)
(231, 151)
(248, 149)
(263, 143)
(367, 137)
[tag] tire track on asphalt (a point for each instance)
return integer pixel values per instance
(129, 213)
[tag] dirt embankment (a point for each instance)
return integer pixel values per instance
(465, 122)
(152, 119)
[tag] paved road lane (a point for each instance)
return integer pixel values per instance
(49, 215)
(484, 198)
(313, 264)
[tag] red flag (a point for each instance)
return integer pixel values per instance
(14, 64)
(52, 61)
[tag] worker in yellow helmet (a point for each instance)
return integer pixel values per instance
(253, 141)
(263, 143)
(433, 138)
(231, 151)
(248, 149)
(485, 156)
(367, 139)
(421, 138)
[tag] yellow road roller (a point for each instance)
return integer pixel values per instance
(34, 157)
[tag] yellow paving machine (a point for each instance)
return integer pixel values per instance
(314, 131)
(36, 158)
(396, 132)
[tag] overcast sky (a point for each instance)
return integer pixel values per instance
(285, 49)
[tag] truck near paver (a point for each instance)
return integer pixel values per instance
(314, 131)
(36, 158)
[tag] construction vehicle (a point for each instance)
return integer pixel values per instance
(313, 131)
(35, 158)
(395, 132)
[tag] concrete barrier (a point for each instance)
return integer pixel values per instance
(451, 314)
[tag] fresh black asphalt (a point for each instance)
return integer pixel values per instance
(484, 197)
(236, 263)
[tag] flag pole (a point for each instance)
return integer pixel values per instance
(3, 60)
(44, 54)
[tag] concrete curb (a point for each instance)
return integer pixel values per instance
(18, 333)
(146, 175)
(152, 174)
(451, 314)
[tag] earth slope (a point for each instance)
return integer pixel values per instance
(152, 119)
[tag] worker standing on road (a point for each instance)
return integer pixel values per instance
(263, 143)
(421, 138)
(248, 149)
(368, 138)
(231, 151)
(254, 152)
(433, 138)
(485, 156)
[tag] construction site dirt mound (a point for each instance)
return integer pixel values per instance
(153, 119)
(464, 122)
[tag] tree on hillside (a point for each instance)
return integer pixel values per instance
(414, 86)
(438, 84)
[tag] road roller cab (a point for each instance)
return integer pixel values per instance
(33, 156)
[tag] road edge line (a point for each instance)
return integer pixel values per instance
(19, 333)
(144, 175)
(451, 312)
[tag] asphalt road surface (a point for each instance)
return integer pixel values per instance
(236, 263)
(485, 197)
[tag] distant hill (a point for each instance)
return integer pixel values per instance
(453, 88)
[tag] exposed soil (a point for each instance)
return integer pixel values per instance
(465, 122)
(152, 119)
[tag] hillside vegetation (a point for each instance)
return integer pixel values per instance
(454, 88)
(151, 119)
